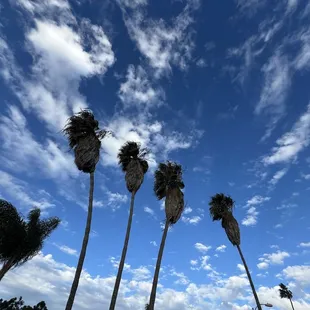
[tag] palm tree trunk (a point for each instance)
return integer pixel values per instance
(158, 264)
(259, 307)
(84, 245)
(124, 252)
(292, 303)
(5, 268)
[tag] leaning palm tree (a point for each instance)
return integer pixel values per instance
(168, 183)
(21, 240)
(286, 293)
(221, 207)
(82, 131)
(132, 160)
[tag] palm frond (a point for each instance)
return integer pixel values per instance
(219, 204)
(168, 175)
(174, 205)
(21, 240)
(80, 125)
(132, 151)
(285, 292)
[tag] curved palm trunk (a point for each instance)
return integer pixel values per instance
(124, 252)
(259, 307)
(5, 268)
(84, 245)
(292, 303)
(158, 263)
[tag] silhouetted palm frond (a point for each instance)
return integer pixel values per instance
(219, 205)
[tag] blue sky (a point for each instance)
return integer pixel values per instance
(220, 87)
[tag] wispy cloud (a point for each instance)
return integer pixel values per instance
(138, 91)
(291, 143)
(20, 191)
(251, 217)
(221, 248)
(278, 175)
(275, 88)
(276, 258)
(66, 249)
(202, 248)
(161, 44)
(194, 220)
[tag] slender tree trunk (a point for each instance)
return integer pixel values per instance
(157, 269)
(84, 245)
(5, 268)
(124, 252)
(292, 303)
(259, 307)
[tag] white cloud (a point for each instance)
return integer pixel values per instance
(251, 217)
(202, 248)
(182, 278)
(263, 265)
(276, 258)
(57, 49)
(187, 210)
(153, 243)
(291, 143)
(43, 278)
(193, 262)
(301, 274)
(161, 44)
(151, 134)
(137, 90)
(194, 220)
(221, 248)
(67, 250)
(241, 267)
(257, 200)
(305, 244)
(50, 160)
(278, 175)
(150, 211)
(113, 201)
(18, 190)
(275, 89)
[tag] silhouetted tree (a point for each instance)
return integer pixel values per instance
(19, 304)
(132, 160)
(286, 293)
(21, 240)
(168, 183)
(221, 208)
(82, 131)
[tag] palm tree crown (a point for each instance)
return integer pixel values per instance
(131, 158)
(285, 292)
(21, 240)
(219, 205)
(82, 130)
(168, 183)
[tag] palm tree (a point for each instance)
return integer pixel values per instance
(132, 160)
(168, 183)
(82, 131)
(221, 207)
(286, 293)
(21, 240)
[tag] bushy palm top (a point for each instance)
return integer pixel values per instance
(167, 176)
(132, 151)
(219, 205)
(285, 292)
(82, 131)
(21, 240)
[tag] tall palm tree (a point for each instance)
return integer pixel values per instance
(286, 293)
(132, 160)
(221, 207)
(21, 240)
(82, 131)
(168, 183)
